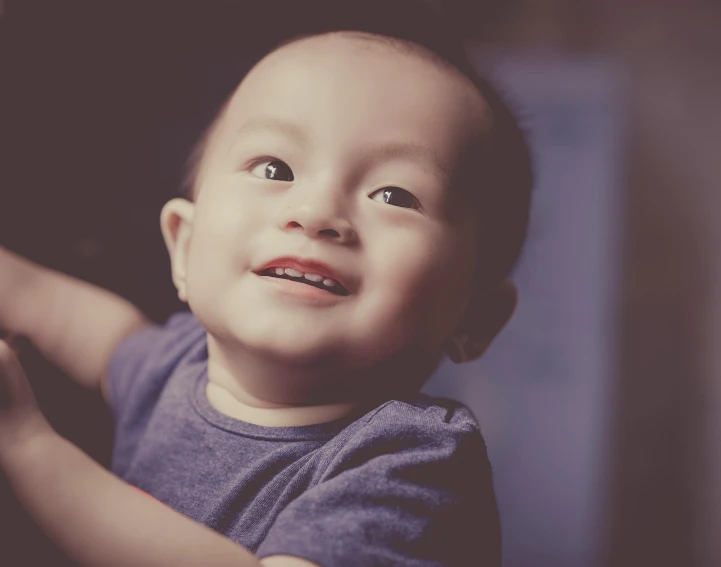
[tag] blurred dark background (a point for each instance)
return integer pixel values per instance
(101, 101)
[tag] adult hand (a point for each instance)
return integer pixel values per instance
(20, 416)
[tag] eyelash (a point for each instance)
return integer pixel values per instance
(415, 205)
(268, 160)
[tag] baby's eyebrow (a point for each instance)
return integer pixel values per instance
(413, 152)
(268, 123)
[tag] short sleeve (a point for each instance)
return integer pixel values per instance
(144, 359)
(404, 493)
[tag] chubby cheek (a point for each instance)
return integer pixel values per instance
(417, 287)
(223, 227)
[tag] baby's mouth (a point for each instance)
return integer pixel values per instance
(313, 280)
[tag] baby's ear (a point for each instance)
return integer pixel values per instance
(176, 220)
(487, 313)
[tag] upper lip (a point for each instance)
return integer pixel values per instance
(305, 265)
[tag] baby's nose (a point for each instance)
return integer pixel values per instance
(320, 210)
(321, 225)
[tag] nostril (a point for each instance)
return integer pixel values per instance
(342, 232)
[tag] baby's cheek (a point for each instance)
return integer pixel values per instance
(386, 321)
(414, 267)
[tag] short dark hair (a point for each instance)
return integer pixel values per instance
(504, 161)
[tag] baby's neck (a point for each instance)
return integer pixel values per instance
(267, 393)
(260, 413)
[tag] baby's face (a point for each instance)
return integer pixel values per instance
(332, 168)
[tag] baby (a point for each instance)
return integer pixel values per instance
(356, 208)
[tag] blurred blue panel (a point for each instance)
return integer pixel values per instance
(543, 392)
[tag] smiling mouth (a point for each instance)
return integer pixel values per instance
(313, 280)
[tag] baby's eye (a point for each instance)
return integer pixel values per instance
(396, 196)
(274, 169)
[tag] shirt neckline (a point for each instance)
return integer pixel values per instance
(317, 432)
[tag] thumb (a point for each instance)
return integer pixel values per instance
(15, 390)
(20, 417)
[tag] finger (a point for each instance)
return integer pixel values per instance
(5, 353)
(14, 387)
(13, 341)
(9, 362)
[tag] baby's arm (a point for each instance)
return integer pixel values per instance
(97, 519)
(74, 324)
(94, 517)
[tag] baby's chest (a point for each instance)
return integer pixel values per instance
(232, 484)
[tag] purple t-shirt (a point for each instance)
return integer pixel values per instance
(407, 484)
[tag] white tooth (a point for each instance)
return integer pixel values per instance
(293, 273)
(313, 277)
(279, 271)
(329, 282)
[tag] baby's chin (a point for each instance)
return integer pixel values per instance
(285, 347)
(322, 347)
(304, 355)
(327, 350)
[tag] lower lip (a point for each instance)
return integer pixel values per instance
(303, 291)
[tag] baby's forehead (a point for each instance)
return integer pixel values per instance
(366, 80)
(338, 50)
(367, 74)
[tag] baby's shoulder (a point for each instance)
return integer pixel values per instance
(434, 409)
(164, 344)
(413, 433)
(144, 361)
(423, 416)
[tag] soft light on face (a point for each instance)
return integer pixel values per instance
(334, 159)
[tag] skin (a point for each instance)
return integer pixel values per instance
(278, 353)
(335, 109)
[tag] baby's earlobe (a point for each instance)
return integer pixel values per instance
(457, 348)
(181, 294)
(453, 351)
(462, 347)
(175, 221)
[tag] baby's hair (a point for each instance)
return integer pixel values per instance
(502, 161)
